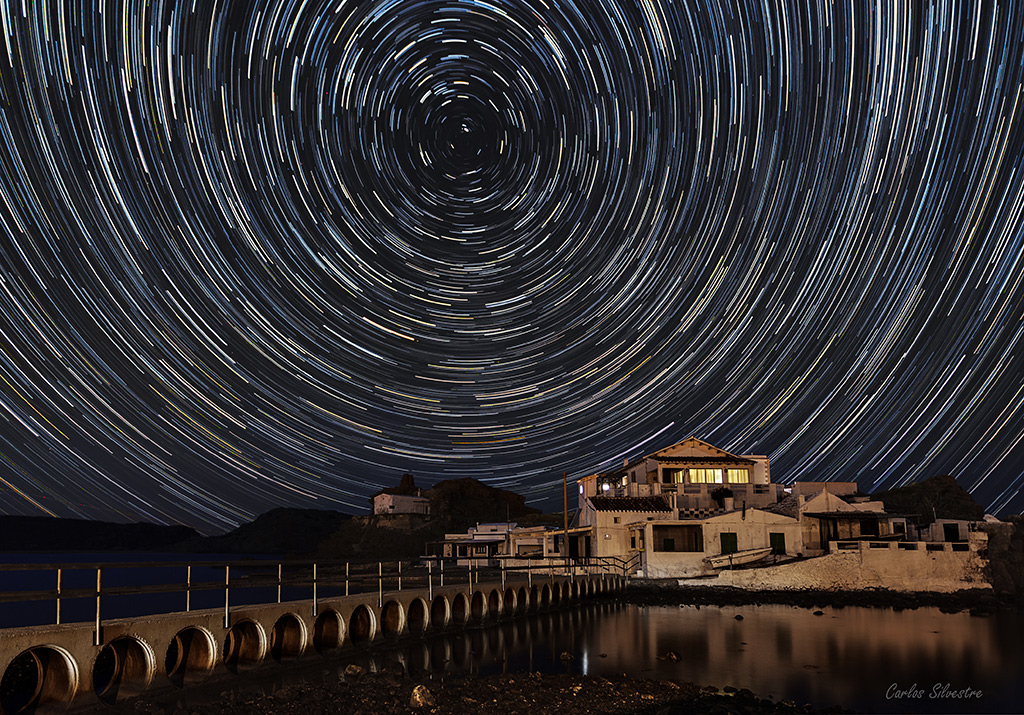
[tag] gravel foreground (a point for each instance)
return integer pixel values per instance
(525, 694)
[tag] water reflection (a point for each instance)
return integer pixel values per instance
(850, 656)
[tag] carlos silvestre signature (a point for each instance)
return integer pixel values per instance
(939, 691)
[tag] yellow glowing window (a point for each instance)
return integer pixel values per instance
(739, 476)
(705, 476)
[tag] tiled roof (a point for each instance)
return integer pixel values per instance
(629, 504)
(790, 506)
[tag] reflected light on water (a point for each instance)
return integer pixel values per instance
(850, 657)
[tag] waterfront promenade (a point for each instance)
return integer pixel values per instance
(110, 660)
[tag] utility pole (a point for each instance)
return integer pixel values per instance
(565, 519)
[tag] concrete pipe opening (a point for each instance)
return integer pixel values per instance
(576, 589)
(534, 598)
(287, 638)
(123, 669)
(40, 679)
(244, 646)
(328, 631)
(476, 608)
(460, 610)
(545, 596)
(556, 594)
(522, 600)
(190, 657)
(440, 613)
(493, 605)
(362, 626)
(392, 619)
(509, 602)
(416, 618)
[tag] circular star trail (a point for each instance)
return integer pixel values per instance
(274, 252)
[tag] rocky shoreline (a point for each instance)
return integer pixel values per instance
(671, 593)
(511, 694)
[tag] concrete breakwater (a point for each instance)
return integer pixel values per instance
(48, 668)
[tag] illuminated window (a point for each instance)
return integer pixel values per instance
(705, 476)
(739, 476)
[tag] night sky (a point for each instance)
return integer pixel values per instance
(271, 253)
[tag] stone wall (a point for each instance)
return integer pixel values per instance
(895, 569)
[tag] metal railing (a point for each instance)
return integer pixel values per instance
(316, 578)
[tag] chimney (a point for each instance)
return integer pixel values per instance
(625, 461)
(800, 503)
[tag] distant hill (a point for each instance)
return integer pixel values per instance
(455, 505)
(463, 503)
(938, 497)
(43, 533)
(278, 531)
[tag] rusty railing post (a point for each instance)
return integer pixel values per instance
(227, 581)
(314, 589)
(380, 584)
(279, 583)
(58, 597)
(399, 575)
(442, 573)
(346, 578)
(430, 580)
(188, 588)
(98, 635)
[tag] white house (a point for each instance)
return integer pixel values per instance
(385, 503)
(489, 544)
(686, 476)
(680, 548)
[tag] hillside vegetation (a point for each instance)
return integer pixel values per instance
(935, 498)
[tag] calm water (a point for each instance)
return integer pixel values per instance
(852, 657)
(35, 613)
(867, 660)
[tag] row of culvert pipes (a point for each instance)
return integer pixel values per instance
(46, 669)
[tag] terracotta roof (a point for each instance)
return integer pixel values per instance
(629, 504)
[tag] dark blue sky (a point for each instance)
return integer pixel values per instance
(278, 253)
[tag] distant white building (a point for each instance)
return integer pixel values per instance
(385, 503)
(493, 543)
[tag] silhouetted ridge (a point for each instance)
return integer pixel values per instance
(44, 533)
